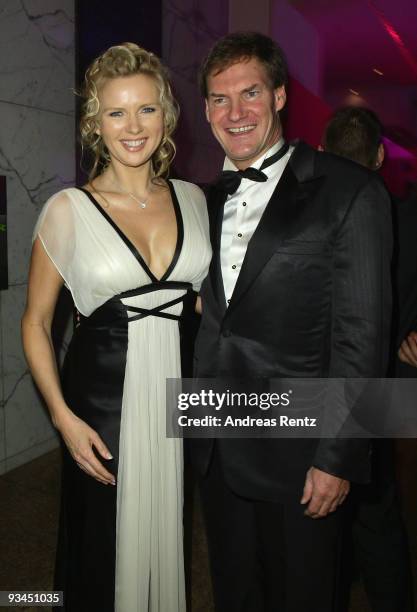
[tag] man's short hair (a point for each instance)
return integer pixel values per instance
(356, 133)
(244, 46)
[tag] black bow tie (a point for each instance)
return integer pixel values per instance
(230, 180)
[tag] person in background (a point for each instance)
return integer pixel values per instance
(405, 216)
(293, 254)
(379, 534)
(130, 246)
(405, 361)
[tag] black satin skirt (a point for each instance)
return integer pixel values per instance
(93, 377)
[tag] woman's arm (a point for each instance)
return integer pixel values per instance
(43, 289)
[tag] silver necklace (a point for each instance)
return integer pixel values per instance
(143, 202)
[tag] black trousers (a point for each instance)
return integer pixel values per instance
(269, 557)
(379, 537)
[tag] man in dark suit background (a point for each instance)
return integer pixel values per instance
(405, 222)
(379, 533)
(405, 363)
(298, 287)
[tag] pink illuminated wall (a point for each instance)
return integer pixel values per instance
(399, 169)
(306, 114)
(301, 44)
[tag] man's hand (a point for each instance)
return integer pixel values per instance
(323, 493)
(408, 350)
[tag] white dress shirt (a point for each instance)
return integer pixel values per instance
(242, 213)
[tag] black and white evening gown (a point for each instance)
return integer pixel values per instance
(121, 548)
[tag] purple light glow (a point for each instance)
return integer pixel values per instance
(405, 52)
(395, 151)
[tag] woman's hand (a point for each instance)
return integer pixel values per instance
(80, 439)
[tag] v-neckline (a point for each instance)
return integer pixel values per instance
(133, 249)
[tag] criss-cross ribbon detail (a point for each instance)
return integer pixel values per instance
(158, 311)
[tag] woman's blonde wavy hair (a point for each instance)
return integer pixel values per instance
(125, 60)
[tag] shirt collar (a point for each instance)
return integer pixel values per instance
(229, 165)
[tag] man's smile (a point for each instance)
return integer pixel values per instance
(241, 130)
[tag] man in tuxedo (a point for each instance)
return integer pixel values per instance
(298, 287)
(379, 534)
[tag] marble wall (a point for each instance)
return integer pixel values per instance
(37, 142)
(190, 28)
(250, 15)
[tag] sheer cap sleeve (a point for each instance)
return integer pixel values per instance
(205, 248)
(55, 229)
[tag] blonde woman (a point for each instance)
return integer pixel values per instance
(129, 246)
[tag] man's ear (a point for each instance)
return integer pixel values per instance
(380, 156)
(280, 96)
(207, 110)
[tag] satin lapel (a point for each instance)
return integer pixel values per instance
(216, 202)
(277, 223)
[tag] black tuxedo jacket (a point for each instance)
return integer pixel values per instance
(313, 299)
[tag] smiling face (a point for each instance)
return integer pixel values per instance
(130, 119)
(241, 107)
